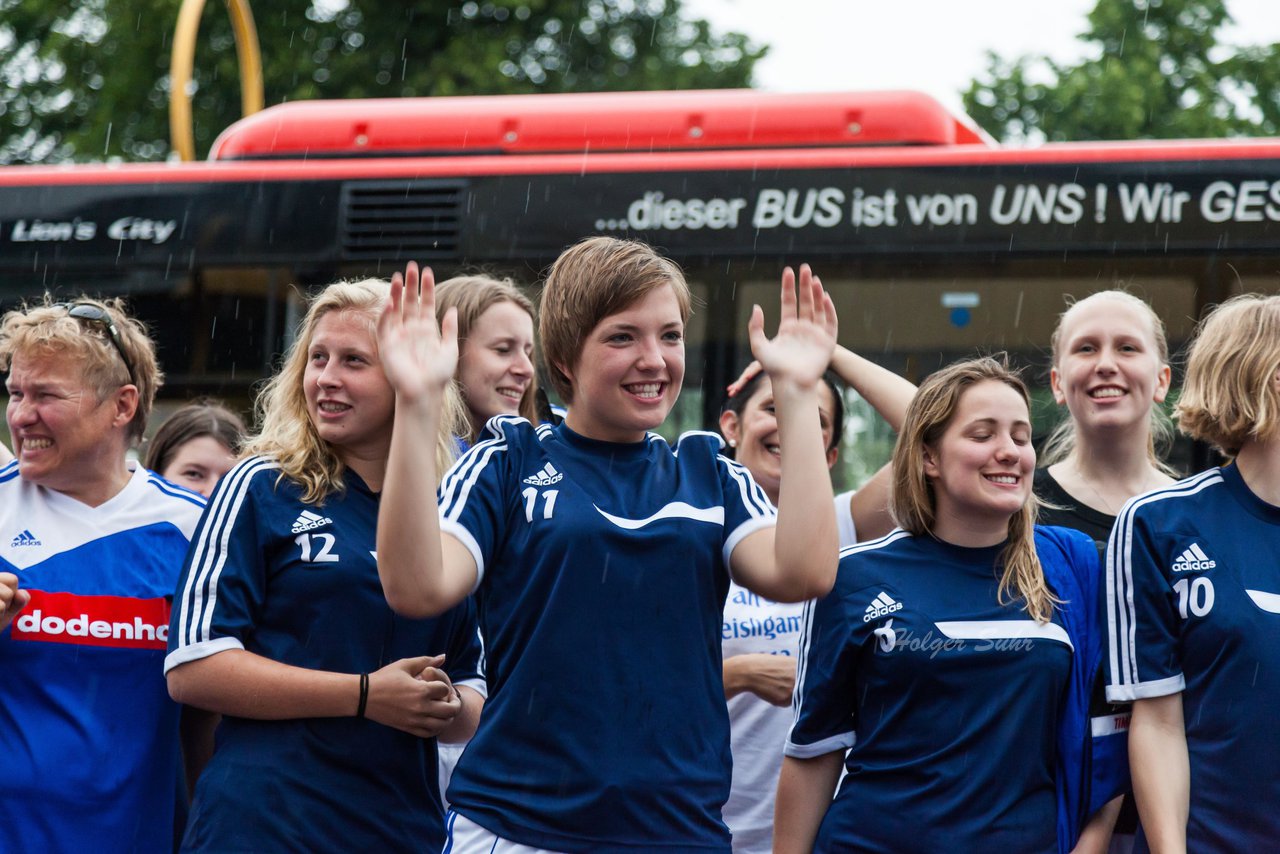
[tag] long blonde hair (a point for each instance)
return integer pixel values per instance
(286, 432)
(1062, 441)
(914, 502)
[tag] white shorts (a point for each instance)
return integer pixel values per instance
(464, 836)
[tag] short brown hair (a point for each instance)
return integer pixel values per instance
(48, 328)
(914, 502)
(1229, 396)
(591, 280)
(472, 296)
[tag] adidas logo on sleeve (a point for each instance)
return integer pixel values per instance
(546, 477)
(882, 606)
(1193, 560)
(26, 538)
(308, 521)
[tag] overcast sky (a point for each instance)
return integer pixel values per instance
(936, 46)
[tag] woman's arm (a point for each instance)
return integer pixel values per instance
(796, 560)
(423, 573)
(1096, 836)
(1161, 771)
(406, 694)
(888, 393)
(772, 678)
(805, 788)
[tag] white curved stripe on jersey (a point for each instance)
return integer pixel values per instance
(209, 550)
(674, 510)
(1269, 602)
(1121, 611)
(1004, 630)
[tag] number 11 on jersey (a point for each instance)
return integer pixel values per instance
(531, 502)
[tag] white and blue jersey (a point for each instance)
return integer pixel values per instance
(1193, 606)
(88, 734)
(298, 583)
(967, 720)
(602, 570)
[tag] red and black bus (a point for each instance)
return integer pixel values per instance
(933, 239)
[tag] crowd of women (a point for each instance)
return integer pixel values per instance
(696, 645)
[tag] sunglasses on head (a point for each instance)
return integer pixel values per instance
(87, 312)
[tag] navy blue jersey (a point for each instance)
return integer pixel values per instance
(89, 756)
(967, 720)
(602, 578)
(298, 583)
(1193, 606)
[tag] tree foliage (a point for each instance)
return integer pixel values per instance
(91, 80)
(1157, 70)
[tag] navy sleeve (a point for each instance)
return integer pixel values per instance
(825, 718)
(1143, 626)
(223, 580)
(746, 508)
(475, 493)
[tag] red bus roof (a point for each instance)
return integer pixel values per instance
(596, 122)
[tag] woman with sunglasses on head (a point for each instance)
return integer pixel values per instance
(1193, 604)
(760, 637)
(91, 546)
(952, 661)
(600, 556)
(331, 704)
(1111, 371)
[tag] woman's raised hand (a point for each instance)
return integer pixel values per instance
(418, 355)
(806, 338)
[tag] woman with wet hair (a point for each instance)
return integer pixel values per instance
(951, 662)
(600, 555)
(1193, 603)
(331, 703)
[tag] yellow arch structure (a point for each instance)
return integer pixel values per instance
(182, 60)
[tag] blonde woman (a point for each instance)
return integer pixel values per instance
(1193, 604)
(495, 348)
(953, 656)
(1111, 372)
(331, 704)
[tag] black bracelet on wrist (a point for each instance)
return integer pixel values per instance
(364, 695)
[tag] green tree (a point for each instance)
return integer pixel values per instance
(1156, 70)
(90, 80)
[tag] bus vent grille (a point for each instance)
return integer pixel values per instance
(401, 220)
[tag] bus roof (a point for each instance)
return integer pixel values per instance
(595, 122)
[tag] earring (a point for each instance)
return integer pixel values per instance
(733, 443)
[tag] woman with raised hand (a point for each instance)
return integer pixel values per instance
(952, 660)
(760, 637)
(1111, 371)
(600, 556)
(331, 703)
(1193, 604)
(496, 374)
